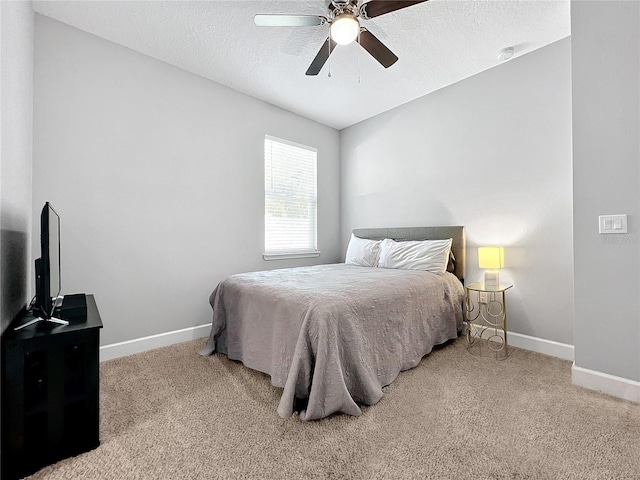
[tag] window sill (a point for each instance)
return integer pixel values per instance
(288, 256)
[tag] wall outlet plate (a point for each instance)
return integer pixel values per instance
(612, 223)
(483, 297)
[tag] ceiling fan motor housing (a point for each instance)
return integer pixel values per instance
(341, 7)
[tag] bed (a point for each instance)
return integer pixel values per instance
(332, 336)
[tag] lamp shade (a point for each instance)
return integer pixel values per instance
(491, 257)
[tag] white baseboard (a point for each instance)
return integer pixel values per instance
(137, 345)
(540, 345)
(582, 377)
(605, 383)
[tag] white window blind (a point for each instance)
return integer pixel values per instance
(290, 197)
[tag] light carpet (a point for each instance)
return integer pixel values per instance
(172, 414)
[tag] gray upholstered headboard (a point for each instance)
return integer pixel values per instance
(458, 246)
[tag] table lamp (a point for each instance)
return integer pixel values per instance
(491, 258)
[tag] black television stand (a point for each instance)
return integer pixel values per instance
(59, 321)
(50, 390)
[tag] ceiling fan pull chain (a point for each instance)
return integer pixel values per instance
(359, 44)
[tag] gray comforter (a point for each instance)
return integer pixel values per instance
(333, 335)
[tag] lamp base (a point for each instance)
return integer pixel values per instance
(491, 279)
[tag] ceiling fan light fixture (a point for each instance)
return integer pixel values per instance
(344, 29)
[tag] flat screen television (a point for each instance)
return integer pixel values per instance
(47, 270)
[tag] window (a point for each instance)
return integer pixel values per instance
(290, 199)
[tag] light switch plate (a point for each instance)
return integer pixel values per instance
(612, 223)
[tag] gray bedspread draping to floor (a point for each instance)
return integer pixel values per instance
(333, 335)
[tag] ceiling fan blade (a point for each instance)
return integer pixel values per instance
(375, 8)
(269, 20)
(377, 49)
(321, 57)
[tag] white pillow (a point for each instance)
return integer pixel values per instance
(429, 255)
(362, 252)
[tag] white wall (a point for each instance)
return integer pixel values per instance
(16, 97)
(606, 176)
(158, 177)
(493, 153)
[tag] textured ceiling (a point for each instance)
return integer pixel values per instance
(438, 42)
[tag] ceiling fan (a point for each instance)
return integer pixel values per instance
(344, 27)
